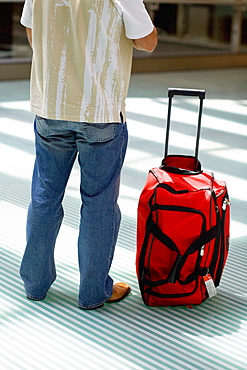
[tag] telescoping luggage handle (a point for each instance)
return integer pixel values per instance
(185, 92)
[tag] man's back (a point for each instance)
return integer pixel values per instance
(81, 60)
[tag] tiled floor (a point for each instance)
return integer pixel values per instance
(55, 334)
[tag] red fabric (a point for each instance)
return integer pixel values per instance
(154, 260)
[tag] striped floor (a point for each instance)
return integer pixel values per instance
(55, 334)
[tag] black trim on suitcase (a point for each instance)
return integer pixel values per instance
(203, 239)
(172, 190)
(220, 266)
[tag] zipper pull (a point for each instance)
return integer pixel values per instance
(202, 250)
(226, 203)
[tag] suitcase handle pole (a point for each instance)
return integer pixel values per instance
(185, 92)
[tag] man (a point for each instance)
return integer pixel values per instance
(81, 66)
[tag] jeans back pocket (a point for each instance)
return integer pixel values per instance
(100, 132)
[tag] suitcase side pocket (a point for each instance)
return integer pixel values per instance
(224, 212)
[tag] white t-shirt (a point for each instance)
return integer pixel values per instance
(136, 20)
(82, 56)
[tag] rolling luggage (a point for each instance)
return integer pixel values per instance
(182, 227)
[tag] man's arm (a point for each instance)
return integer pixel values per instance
(29, 35)
(147, 43)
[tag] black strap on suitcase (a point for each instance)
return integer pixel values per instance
(183, 92)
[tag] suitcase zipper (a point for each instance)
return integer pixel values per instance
(226, 203)
(202, 251)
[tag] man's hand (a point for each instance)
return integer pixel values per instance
(147, 43)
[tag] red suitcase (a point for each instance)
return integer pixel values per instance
(182, 227)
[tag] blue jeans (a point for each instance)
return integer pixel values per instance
(101, 150)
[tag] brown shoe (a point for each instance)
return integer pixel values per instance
(120, 291)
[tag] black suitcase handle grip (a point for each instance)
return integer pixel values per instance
(186, 92)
